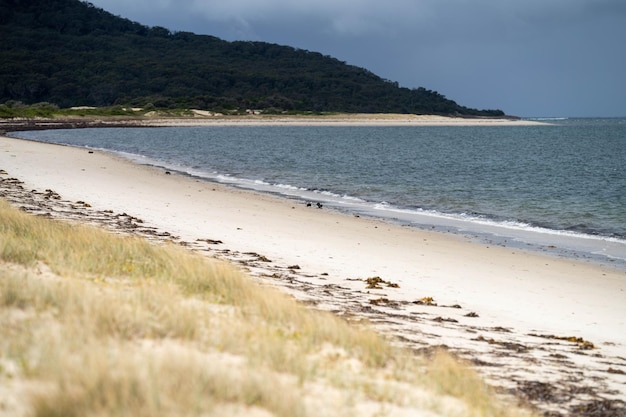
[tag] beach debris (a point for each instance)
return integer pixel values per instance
(82, 203)
(537, 391)
(319, 205)
(260, 258)
(168, 173)
(127, 221)
(602, 407)
(379, 301)
(500, 329)
(582, 343)
(557, 356)
(426, 301)
(210, 241)
(275, 275)
(517, 347)
(471, 314)
(374, 283)
(546, 393)
(446, 320)
(293, 267)
(51, 194)
(308, 204)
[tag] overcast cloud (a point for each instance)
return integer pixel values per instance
(526, 57)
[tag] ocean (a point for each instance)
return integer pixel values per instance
(558, 187)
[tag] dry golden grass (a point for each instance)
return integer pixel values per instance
(96, 324)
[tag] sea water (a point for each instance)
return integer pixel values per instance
(558, 187)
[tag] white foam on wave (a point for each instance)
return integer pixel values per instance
(289, 187)
(326, 193)
(547, 119)
(351, 198)
(465, 218)
(511, 233)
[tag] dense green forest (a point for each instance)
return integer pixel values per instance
(71, 53)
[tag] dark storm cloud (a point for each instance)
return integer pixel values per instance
(528, 57)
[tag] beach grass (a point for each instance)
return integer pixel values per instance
(94, 323)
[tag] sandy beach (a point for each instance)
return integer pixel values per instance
(528, 321)
(204, 118)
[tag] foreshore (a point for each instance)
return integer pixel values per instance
(200, 118)
(528, 321)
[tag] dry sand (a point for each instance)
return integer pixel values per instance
(549, 329)
(203, 118)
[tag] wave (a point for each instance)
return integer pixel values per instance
(547, 119)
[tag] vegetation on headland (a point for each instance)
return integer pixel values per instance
(15, 109)
(99, 324)
(71, 53)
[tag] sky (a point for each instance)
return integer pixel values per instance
(529, 58)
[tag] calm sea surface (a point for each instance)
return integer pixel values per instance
(560, 187)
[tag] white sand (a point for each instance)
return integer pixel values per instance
(522, 291)
(341, 119)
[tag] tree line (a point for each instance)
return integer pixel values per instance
(72, 53)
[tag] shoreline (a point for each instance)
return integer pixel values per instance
(587, 245)
(504, 309)
(202, 119)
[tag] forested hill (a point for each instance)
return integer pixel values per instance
(71, 53)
